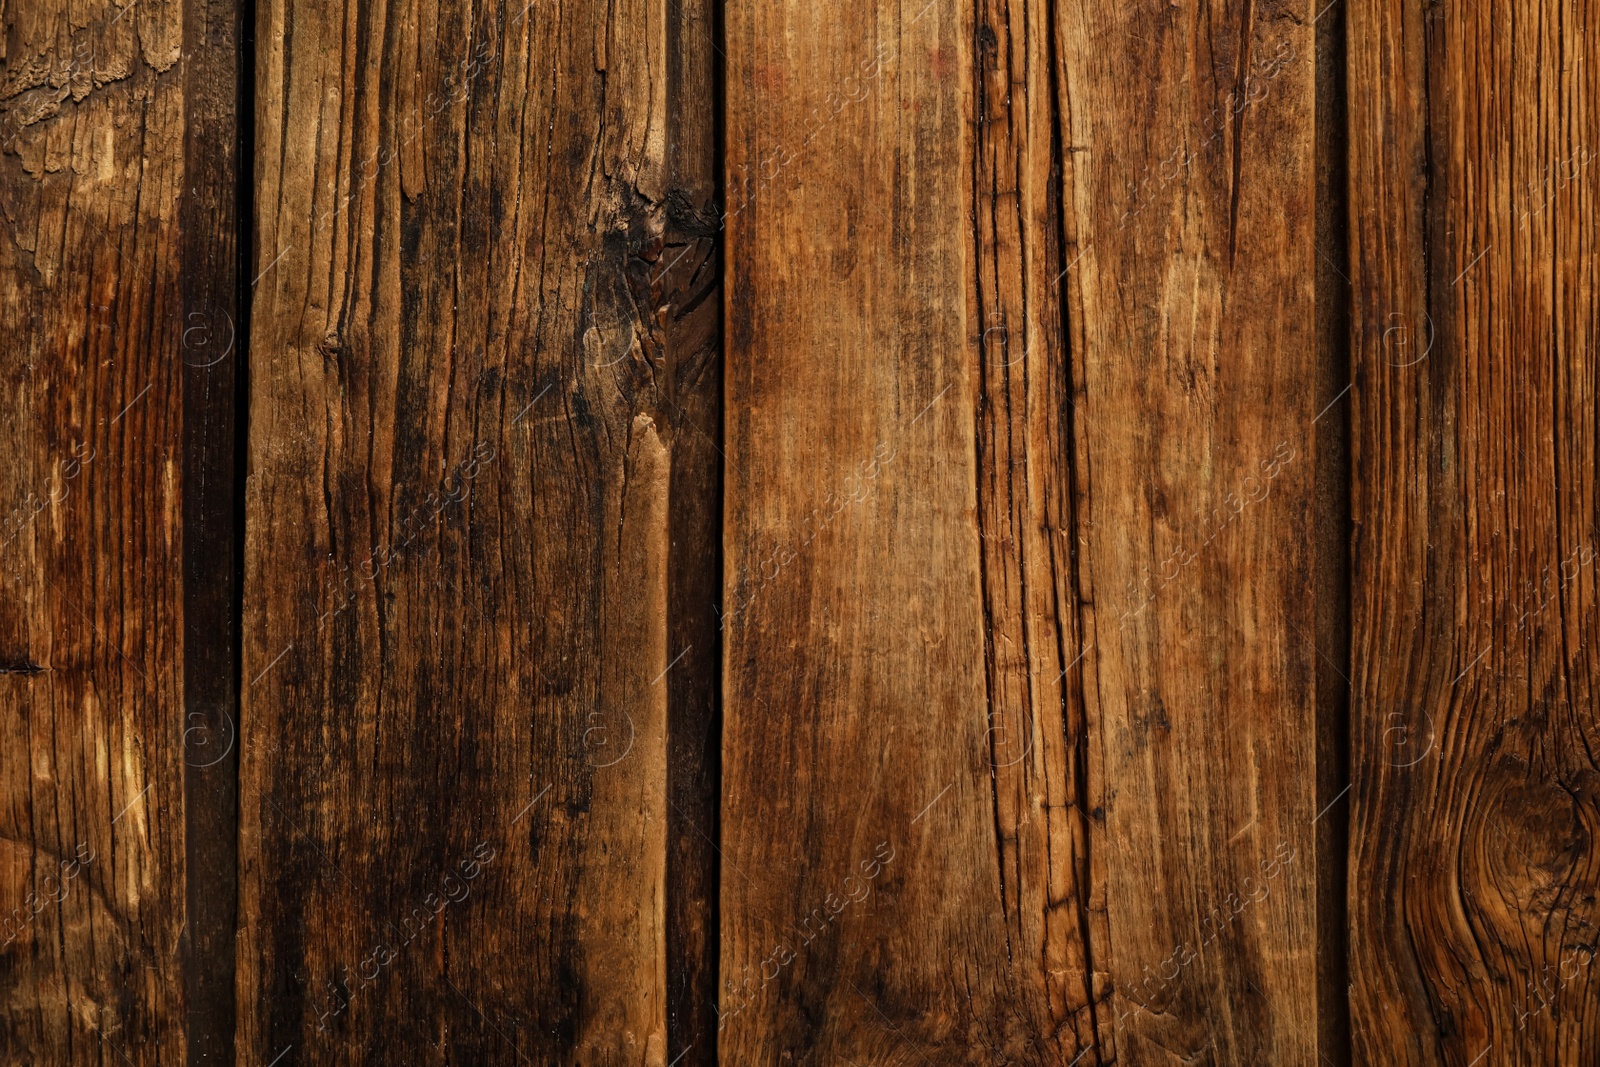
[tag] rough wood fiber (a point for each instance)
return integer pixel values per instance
(92, 887)
(1188, 149)
(867, 911)
(469, 372)
(1473, 205)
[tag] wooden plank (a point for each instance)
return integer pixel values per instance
(866, 596)
(870, 907)
(464, 356)
(1189, 148)
(94, 159)
(1473, 207)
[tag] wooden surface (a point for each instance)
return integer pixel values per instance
(1473, 868)
(1331, 533)
(1044, 771)
(468, 367)
(1155, 874)
(1190, 199)
(679, 532)
(688, 276)
(97, 265)
(873, 926)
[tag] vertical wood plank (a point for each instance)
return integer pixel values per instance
(1189, 154)
(1473, 207)
(94, 160)
(469, 364)
(872, 908)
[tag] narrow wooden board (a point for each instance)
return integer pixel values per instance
(1189, 150)
(94, 100)
(1473, 181)
(871, 906)
(466, 379)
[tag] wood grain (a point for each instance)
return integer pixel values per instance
(470, 368)
(1188, 150)
(1182, 777)
(94, 100)
(1332, 536)
(1122, 591)
(1473, 206)
(872, 908)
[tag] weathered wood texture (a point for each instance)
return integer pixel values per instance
(1069, 580)
(1473, 225)
(99, 266)
(963, 661)
(470, 366)
(864, 913)
(1190, 210)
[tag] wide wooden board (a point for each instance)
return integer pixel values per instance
(470, 364)
(1189, 219)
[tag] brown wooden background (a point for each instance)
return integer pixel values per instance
(689, 532)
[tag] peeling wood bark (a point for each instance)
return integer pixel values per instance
(1473, 206)
(470, 368)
